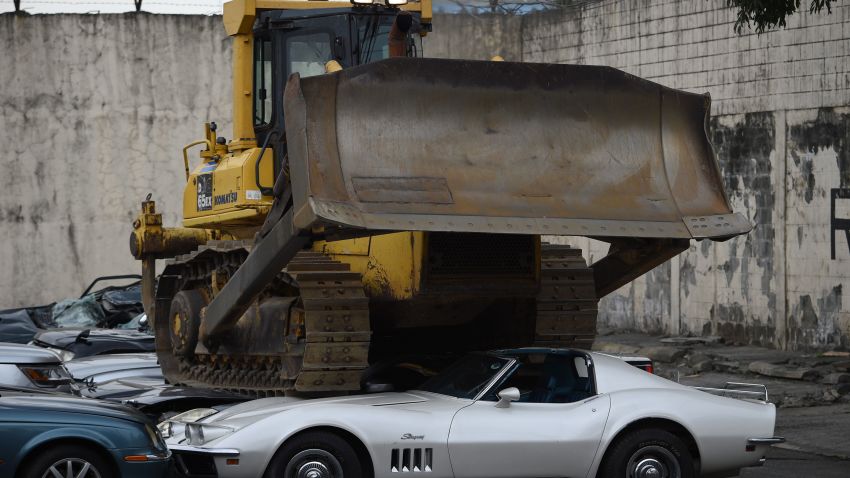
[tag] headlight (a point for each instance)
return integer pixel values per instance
(64, 355)
(49, 376)
(194, 434)
(165, 429)
(176, 425)
(199, 433)
(396, 3)
(155, 437)
(193, 415)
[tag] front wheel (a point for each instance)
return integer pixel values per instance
(67, 461)
(316, 455)
(649, 453)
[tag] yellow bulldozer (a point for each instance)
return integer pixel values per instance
(373, 202)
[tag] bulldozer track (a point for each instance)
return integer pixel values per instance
(328, 344)
(567, 306)
(332, 320)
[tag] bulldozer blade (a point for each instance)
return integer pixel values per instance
(499, 147)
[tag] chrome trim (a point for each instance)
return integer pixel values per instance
(159, 457)
(765, 441)
(492, 383)
(760, 394)
(207, 451)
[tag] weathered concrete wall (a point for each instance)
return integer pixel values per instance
(780, 129)
(475, 37)
(93, 113)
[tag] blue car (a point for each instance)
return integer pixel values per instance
(54, 436)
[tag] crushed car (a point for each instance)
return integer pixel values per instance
(112, 307)
(136, 379)
(508, 413)
(76, 343)
(161, 401)
(98, 370)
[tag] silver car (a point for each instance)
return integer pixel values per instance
(99, 369)
(35, 368)
(509, 413)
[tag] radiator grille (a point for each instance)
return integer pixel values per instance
(470, 254)
(406, 460)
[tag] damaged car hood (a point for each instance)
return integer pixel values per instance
(88, 342)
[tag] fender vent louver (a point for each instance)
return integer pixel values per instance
(405, 460)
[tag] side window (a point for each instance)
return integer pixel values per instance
(262, 81)
(308, 53)
(548, 378)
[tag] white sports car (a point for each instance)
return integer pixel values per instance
(509, 413)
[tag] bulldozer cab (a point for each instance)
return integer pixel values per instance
(303, 42)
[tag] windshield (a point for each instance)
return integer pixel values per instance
(467, 377)
(373, 37)
(308, 53)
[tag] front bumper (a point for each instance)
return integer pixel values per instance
(199, 462)
(156, 464)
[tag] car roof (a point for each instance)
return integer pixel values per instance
(27, 354)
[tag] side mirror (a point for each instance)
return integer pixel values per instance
(507, 396)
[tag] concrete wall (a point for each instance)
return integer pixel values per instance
(94, 111)
(780, 128)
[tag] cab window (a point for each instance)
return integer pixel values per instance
(308, 53)
(373, 37)
(548, 378)
(262, 81)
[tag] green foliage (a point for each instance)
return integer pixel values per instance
(769, 14)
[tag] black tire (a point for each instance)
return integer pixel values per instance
(186, 308)
(642, 449)
(39, 464)
(316, 447)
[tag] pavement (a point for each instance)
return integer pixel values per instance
(813, 407)
(783, 463)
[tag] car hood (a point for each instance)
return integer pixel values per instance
(97, 364)
(257, 409)
(62, 338)
(142, 393)
(27, 354)
(70, 405)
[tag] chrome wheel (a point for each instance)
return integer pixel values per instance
(313, 463)
(71, 468)
(653, 461)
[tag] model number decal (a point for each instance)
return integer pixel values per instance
(205, 199)
(225, 198)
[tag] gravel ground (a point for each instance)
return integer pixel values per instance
(783, 463)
